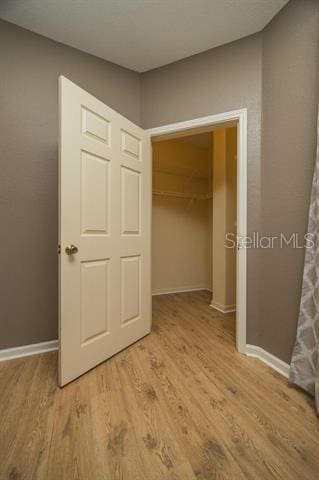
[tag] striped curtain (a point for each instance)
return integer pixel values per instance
(304, 368)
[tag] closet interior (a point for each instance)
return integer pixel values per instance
(194, 208)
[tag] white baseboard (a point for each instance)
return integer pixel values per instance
(192, 288)
(27, 350)
(250, 350)
(223, 308)
(269, 359)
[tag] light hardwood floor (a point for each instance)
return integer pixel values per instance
(180, 404)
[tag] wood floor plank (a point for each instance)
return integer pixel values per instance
(180, 404)
(258, 396)
(230, 358)
(208, 453)
(220, 416)
(163, 454)
(115, 436)
(235, 419)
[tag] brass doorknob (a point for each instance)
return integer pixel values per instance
(71, 249)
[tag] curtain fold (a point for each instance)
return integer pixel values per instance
(304, 367)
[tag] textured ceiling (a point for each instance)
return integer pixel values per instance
(141, 34)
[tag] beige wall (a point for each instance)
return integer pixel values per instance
(290, 99)
(219, 219)
(219, 80)
(231, 211)
(224, 217)
(181, 235)
(30, 66)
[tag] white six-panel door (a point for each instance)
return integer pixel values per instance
(105, 209)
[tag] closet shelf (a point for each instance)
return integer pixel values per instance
(198, 173)
(193, 196)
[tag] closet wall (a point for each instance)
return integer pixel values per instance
(224, 218)
(181, 236)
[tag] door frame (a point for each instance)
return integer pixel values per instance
(241, 255)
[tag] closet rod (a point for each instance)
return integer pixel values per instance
(194, 196)
(165, 193)
(200, 174)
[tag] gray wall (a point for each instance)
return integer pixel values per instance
(219, 80)
(276, 69)
(30, 67)
(289, 106)
(275, 72)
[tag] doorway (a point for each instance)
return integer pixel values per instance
(198, 127)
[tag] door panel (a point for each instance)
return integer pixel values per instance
(130, 145)
(95, 190)
(131, 201)
(105, 208)
(130, 289)
(95, 126)
(95, 300)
